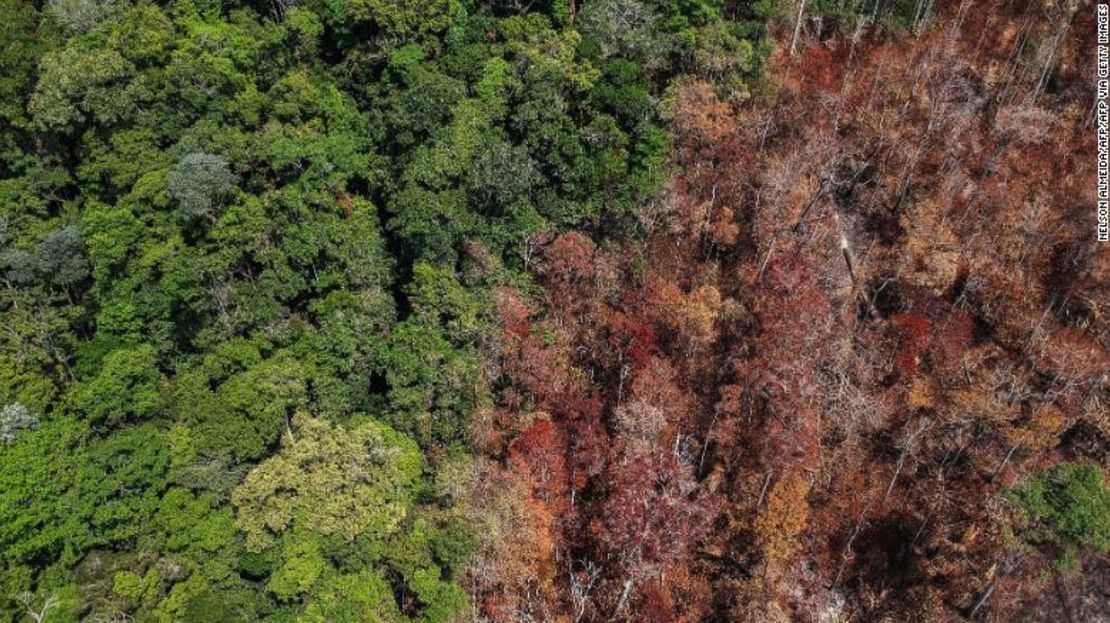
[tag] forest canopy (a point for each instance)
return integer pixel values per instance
(549, 310)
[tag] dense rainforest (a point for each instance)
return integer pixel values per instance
(523, 311)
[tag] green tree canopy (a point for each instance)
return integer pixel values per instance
(329, 481)
(1066, 508)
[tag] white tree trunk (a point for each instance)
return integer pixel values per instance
(797, 27)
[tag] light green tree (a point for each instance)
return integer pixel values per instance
(78, 85)
(407, 18)
(329, 481)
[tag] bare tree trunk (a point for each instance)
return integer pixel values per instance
(1005, 461)
(907, 447)
(708, 221)
(624, 595)
(981, 601)
(845, 248)
(705, 442)
(766, 258)
(763, 491)
(39, 616)
(580, 593)
(925, 8)
(1046, 70)
(848, 545)
(822, 190)
(797, 27)
(620, 384)
(897, 471)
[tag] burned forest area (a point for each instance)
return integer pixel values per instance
(867, 311)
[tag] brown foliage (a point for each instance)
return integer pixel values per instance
(877, 304)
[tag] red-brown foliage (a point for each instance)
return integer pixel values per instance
(876, 303)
